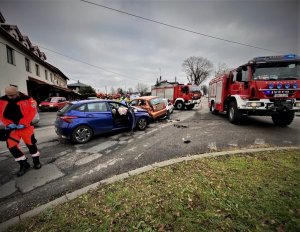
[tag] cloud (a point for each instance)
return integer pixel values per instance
(141, 51)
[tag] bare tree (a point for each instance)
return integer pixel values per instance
(142, 88)
(112, 90)
(222, 68)
(197, 69)
(130, 90)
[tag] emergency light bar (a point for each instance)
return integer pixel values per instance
(275, 58)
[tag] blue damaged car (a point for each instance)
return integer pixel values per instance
(81, 120)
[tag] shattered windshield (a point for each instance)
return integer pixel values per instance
(277, 71)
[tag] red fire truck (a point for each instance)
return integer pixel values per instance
(266, 86)
(182, 96)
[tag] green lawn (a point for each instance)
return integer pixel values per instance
(252, 192)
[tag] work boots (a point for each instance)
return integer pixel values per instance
(36, 162)
(24, 167)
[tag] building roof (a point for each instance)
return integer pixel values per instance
(11, 39)
(4, 28)
(2, 19)
(78, 84)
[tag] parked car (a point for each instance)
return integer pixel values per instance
(81, 120)
(53, 103)
(154, 105)
(169, 105)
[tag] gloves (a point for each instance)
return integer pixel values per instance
(12, 126)
(20, 126)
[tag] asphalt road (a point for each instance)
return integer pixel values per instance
(75, 166)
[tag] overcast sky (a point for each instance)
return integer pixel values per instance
(138, 51)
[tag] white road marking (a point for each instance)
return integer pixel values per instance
(139, 156)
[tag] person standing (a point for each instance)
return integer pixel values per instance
(17, 110)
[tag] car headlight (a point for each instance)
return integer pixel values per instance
(51, 105)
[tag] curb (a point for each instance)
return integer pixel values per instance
(69, 196)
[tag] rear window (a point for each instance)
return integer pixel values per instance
(66, 108)
(156, 101)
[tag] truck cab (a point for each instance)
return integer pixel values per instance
(266, 86)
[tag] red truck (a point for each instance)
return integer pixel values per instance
(182, 96)
(265, 86)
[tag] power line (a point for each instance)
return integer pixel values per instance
(92, 65)
(181, 28)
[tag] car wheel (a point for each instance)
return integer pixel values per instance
(142, 123)
(82, 134)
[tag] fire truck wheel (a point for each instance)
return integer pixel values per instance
(212, 108)
(283, 119)
(179, 105)
(234, 113)
(189, 107)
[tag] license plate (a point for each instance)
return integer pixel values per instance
(280, 95)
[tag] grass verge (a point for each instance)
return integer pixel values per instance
(249, 192)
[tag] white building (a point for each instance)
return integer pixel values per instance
(24, 65)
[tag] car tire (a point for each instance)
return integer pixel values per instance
(142, 123)
(82, 134)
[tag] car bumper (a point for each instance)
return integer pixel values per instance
(48, 108)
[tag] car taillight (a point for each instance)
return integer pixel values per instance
(68, 119)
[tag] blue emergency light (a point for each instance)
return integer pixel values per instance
(275, 58)
(279, 86)
(295, 86)
(287, 85)
(271, 86)
(290, 56)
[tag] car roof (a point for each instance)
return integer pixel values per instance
(93, 101)
(146, 97)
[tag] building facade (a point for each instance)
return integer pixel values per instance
(24, 65)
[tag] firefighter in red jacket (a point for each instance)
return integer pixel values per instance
(16, 113)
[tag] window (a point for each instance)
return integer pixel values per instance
(27, 64)
(46, 74)
(234, 74)
(97, 107)
(37, 70)
(51, 77)
(10, 55)
(81, 108)
(244, 75)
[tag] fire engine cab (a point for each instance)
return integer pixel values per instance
(266, 86)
